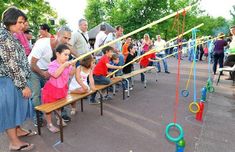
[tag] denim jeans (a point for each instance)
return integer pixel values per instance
(37, 83)
(99, 80)
(190, 54)
(164, 63)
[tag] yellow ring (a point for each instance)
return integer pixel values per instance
(191, 109)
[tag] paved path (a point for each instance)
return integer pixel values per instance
(138, 123)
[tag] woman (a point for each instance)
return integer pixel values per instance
(219, 51)
(15, 107)
(146, 43)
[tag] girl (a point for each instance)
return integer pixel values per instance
(57, 86)
(79, 83)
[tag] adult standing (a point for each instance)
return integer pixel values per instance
(15, 105)
(100, 37)
(23, 39)
(45, 31)
(219, 51)
(146, 43)
(117, 46)
(80, 39)
(39, 59)
(125, 51)
(160, 45)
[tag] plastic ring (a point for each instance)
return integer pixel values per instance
(184, 93)
(169, 137)
(191, 107)
(211, 89)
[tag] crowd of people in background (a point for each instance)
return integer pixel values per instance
(29, 72)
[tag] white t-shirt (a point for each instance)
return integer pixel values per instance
(74, 84)
(100, 38)
(160, 45)
(117, 45)
(42, 50)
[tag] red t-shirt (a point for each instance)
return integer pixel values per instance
(144, 61)
(100, 68)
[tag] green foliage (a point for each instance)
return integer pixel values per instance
(37, 11)
(133, 14)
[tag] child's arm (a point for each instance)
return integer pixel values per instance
(58, 71)
(72, 72)
(79, 79)
(113, 66)
(91, 80)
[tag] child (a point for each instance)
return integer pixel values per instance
(113, 61)
(57, 86)
(145, 61)
(129, 68)
(131, 55)
(79, 83)
(101, 70)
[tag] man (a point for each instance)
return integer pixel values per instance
(117, 46)
(45, 31)
(80, 39)
(100, 37)
(160, 45)
(39, 59)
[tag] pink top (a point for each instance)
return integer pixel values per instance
(24, 41)
(206, 50)
(63, 79)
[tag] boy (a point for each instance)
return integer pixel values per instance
(101, 70)
(129, 68)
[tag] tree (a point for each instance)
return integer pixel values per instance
(37, 12)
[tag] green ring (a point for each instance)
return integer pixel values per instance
(174, 139)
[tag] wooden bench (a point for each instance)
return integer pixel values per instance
(132, 74)
(71, 98)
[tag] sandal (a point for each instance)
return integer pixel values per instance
(52, 128)
(26, 147)
(28, 133)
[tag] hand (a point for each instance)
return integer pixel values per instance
(93, 88)
(119, 67)
(66, 64)
(85, 88)
(26, 92)
(46, 74)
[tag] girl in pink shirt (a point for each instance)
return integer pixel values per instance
(57, 86)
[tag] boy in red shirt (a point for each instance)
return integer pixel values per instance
(101, 70)
(146, 60)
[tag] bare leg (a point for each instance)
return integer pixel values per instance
(15, 142)
(48, 118)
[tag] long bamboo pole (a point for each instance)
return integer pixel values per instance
(136, 31)
(154, 50)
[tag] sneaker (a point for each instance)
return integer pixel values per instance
(52, 128)
(130, 88)
(158, 71)
(107, 97)
(66, 118)
(63, 123)
(73, 111)
(167, 72)
(126, 90)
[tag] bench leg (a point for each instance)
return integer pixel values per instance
(38, 122)
(81, 105)
(123, 90)
(114, 89)
(101, 102)
(218, 79)
(61, 127)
